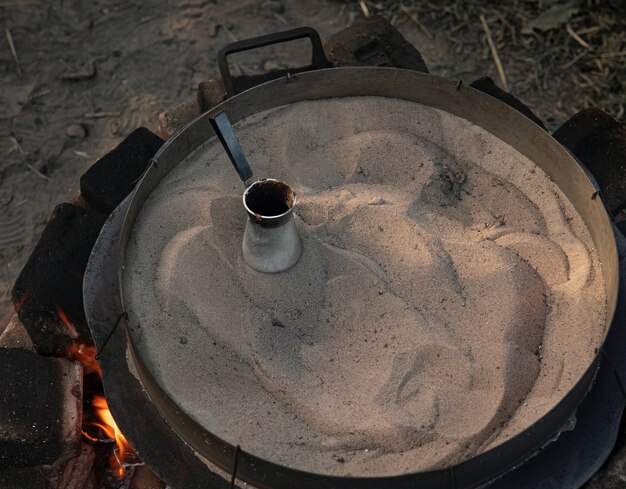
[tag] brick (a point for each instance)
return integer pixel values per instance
(40, 409)
(599, 141)
(50, 284)
(210, 94)
(177, 116)
(106, 183)
(373, 42)
(488, 86)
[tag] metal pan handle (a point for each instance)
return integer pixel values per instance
(318, 57)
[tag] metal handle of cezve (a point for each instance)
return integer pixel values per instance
(224, 131)
(318, 60)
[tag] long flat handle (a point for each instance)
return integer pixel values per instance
(226, 134)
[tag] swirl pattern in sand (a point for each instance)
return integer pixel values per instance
(448, 294)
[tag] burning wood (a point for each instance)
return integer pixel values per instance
(107, 424)
(123, 455)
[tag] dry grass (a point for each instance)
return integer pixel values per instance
(559, 57)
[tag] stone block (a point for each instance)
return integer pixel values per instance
(177, 116)
(108, 181)
(26, 477)
(40, 409)
(16, 336)
(487, 85)
(599, 141)
(373, 42)
(210, 94)
(48, 292)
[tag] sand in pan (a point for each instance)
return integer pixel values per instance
(448, 294)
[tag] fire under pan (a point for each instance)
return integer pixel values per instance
(187, 455)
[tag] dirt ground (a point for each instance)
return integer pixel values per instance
(147, 56)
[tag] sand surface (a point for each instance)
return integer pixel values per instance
(448, 294)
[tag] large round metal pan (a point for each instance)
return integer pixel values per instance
(494, 116)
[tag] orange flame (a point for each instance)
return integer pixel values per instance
(86, 355)
(108, 425)
(66, 321)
